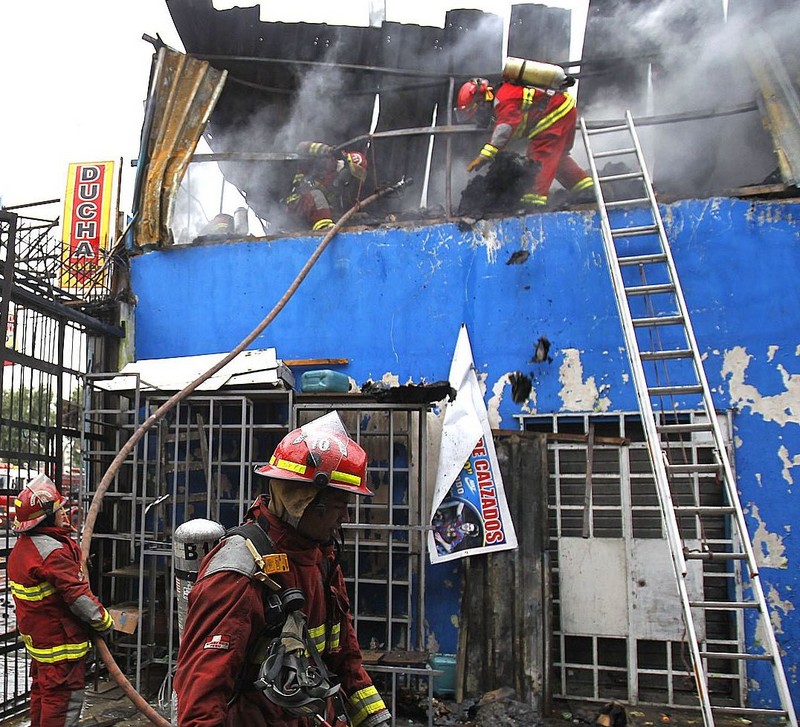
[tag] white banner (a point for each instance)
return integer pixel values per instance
(469, 513)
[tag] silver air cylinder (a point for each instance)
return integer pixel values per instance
(190, 543)
(534, 73)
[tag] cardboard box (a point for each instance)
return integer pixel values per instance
(125, 617)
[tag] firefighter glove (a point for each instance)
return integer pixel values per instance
(476, 163)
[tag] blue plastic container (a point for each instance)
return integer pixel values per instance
(324, 380)
(445, 684)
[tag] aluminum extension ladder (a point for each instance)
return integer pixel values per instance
(666, 366)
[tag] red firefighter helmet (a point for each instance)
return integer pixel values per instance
(471, 95)
(38, 499)
(320, 453)
(357, 164)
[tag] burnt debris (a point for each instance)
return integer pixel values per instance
(498, 190)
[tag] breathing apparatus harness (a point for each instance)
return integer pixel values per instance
(293, 675)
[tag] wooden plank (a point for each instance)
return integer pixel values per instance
(503, 633)
(581, 438)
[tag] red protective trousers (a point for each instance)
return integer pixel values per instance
(550, 148)
(57, 693)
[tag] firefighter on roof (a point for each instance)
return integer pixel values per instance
(269, 639)
(545, 117)
(327, 184)
(55, 607)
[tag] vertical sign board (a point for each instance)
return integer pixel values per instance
(87, 222)
(469, 513)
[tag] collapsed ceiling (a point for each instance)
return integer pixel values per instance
(672, 60)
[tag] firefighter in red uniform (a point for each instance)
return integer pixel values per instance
(546, 118)
(327, 185)
(233, 666)
(55, 608)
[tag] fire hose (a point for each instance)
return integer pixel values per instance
(86, 538)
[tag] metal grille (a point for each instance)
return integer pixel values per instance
(197, 462)
(384, 554)
(623, 516)
(45, 353)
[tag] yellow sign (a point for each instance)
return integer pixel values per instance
(87, 229)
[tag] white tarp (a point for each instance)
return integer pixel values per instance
(469, 513)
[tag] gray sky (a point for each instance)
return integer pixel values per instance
(75, 74)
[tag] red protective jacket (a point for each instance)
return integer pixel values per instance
(547, 119)
(55, 606)
(224, 628)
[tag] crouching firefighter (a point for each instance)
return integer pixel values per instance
(269, 639)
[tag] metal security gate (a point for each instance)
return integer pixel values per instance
(617, 626)
(45, 348)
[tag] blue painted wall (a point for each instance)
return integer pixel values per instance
(392, 301)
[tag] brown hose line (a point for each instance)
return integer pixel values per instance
(88, 529)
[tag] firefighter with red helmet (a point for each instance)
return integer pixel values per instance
(545, 117)
(327, 184)
(55, 608)
(269, 639)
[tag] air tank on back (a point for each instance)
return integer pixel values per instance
(191, 541)
(536, 73)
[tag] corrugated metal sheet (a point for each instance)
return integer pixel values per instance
(182, 94)
(654, 57)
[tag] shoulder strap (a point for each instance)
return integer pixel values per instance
(256, 538)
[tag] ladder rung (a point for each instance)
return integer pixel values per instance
(704, 510)
(693, 468)
(723, 605)
(665, 355)
(607, 129)
(656, 257)
(650, 289)
(735, 656)
(618, 177)
(614, 152)
(657, 321)
(675, 390)
(634, 231)
(682, 428)
(625, 202)
(707, 555)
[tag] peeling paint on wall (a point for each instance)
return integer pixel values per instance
(776, 604)
(486, 233)
(577, 394)
(769, 548)
(390, 379)
(788, 463)
(781, 408)
(493, 405)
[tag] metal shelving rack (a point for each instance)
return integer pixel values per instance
(384, 554)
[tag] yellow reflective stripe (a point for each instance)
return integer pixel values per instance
(536, 199)
(363, 703)
(555, 115)
(489, 151)
(32, 593)
(585, 183)
(345, 477)
(320, 637)
(528, 95)
(317, 635)
(285, 464)
(334, 640)
(107, 622)
(322, 224)
(63, 652)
